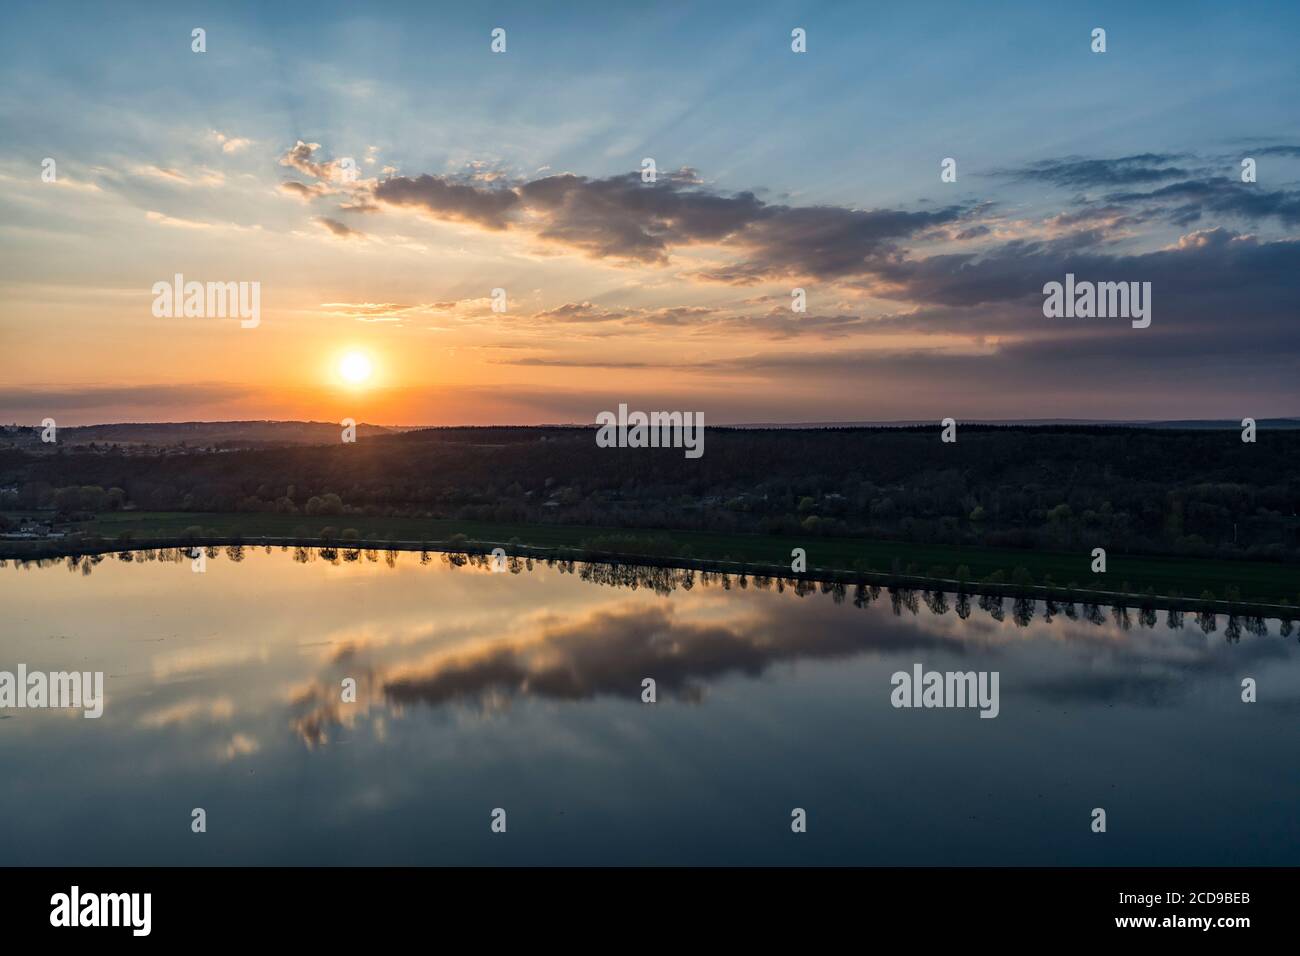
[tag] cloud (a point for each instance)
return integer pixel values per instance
(456, 311)
(981, 291)
(302, 190)
(586, 313)
(42, 401)
(622, 218)
(302, 157)
(581, 312)
(1150, 186)
(676, 315)
(607, 651)
(781, 323)
(195, 710)
(827, 242)
(1291, 151)
(230, 144)
(203, 176)
(339, 229)
(159, 172)
(370, 311)
(443, 199)
(778, 323)
(240, 745)
(1188, 201)
(1078, 173)
(358, 205)
(541, 362)
(1196, 283)
(163, 219)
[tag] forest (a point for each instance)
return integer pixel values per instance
(1203, 493)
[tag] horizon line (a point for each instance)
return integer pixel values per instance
(845, 423)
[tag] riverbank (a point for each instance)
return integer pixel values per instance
(1149, 581)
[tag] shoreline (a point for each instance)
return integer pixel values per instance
(47, 550)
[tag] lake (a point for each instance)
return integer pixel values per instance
(522, 691)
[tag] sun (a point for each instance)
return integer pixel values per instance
(355, 368)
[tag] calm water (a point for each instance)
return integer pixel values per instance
(523, 691)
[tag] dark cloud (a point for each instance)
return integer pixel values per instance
(1146, 187)
(584, 313)
(342, 230)
(1074, 172)
(1292, 151)
(302, 190)
(1208, 282)
(623, 218)
(581, 312)
(825, 242)
(540, 362)
(1094, 214)
(1188, 201)
(1211, 273)
(781, 323)
(445, 199)
(677, 315)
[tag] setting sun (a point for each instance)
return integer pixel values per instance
(355, 368)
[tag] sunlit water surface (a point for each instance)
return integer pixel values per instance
(523, 691)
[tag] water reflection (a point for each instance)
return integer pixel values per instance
(477, 688)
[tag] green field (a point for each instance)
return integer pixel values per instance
(1171, 576)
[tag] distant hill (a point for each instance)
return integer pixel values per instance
(218, 434)
(255, 434)
(1039, 422)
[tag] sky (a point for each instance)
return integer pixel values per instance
(378, 170)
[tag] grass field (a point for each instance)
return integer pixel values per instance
(1187, 577)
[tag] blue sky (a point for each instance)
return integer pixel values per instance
(140, 124)
(711, 86)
